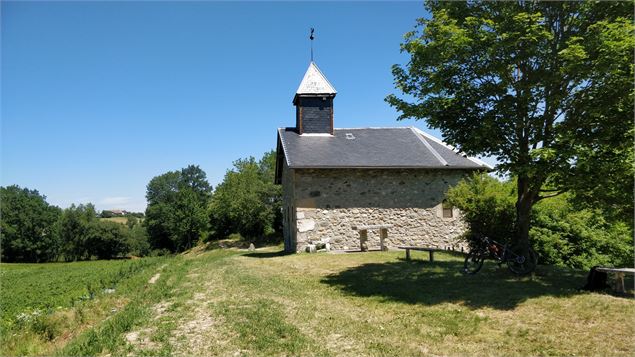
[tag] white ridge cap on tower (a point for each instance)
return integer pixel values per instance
(314, 82)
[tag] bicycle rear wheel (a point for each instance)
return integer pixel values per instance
(473, 262)
(521, 264)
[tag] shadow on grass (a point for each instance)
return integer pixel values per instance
(266, 254)
(431, 283)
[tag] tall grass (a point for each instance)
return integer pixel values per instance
(141, 296)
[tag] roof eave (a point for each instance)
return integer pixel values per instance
(280, 145)
(475, 160)
(387, 167)
(295, 97)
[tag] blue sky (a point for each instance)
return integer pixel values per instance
(98, 97)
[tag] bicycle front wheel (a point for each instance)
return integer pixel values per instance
(521, 264)
(473, 262)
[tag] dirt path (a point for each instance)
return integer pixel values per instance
(183, 324)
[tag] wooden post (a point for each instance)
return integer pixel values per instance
(432, 255)
(407, 254)
(619, 282)
(363, 239)
(383, 234)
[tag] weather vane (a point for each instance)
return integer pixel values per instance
(311, 37)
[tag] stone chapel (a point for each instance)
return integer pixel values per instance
(334, 179)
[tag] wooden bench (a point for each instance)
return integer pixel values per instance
(619, 276)
(363, 235)
(430, 251)
(422, 249)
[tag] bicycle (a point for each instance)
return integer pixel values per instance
(517, 263)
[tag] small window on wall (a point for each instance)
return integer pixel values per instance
(447, 209)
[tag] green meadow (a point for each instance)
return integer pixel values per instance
(235, 302)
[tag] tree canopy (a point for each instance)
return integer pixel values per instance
(247, 201)
(27, 231)
(562, 233)
(545, 87)
(176, 215)
(73, 230)
(34, 231)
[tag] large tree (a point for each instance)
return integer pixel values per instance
(73, 227)
(247, 201)
(176, 215)
(27, 231)
(545, 87)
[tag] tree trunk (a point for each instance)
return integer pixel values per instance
(523, 215)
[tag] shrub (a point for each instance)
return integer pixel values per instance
(138, 241)
(488, 206)
(562, 233)
(106, 214)
(566, 236)
(106, 239)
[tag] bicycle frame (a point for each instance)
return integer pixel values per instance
(497, 251)
(489, 248)
(493, 249)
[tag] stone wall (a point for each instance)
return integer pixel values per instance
(288, 209)
(329, 202)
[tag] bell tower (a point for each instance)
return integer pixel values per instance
(314, 103)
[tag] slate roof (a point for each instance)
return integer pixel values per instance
(314, 82)
(405, 147)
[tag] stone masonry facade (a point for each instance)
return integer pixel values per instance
(324, 204)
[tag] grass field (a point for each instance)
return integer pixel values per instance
(34, 296)
(230, 302)
(122, 220)
(28, 287)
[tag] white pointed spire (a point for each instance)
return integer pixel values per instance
(314, 82)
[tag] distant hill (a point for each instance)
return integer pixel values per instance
(120, 213)
(121, 220)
